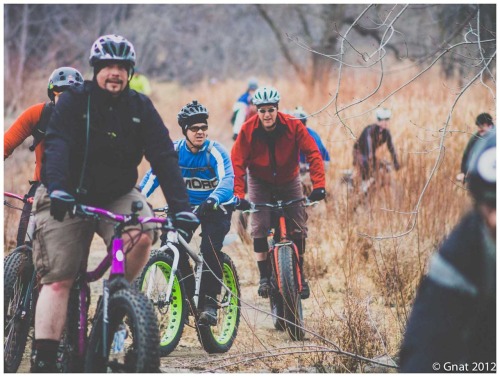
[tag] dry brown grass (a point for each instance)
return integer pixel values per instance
(362, 288)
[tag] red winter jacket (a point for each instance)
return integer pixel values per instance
(251, 150)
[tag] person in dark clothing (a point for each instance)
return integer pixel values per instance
(364, 151)
(453, 319)
(484, 123)
(96, 138)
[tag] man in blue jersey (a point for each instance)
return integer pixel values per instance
(209, 177)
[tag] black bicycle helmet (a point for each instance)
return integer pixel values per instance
(482, 178)
(484, 118)
(112, 47)
(194, 112)
(61, 79)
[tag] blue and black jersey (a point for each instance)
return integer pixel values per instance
(207, 173)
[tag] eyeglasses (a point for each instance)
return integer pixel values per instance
(270, 111)
(197, 128)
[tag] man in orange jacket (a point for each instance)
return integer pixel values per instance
(268, 145)
(33, 122)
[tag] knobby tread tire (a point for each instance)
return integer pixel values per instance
(143, 356)
(229, 319)
(292, 303)
(177, 310)
(18, 273)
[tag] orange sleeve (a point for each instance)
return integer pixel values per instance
(21, 129)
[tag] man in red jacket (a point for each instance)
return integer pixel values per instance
(268, 146)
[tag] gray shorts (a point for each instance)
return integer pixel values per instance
(296, 216)
(59, 248)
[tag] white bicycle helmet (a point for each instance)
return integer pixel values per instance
(300, 114)
(112, 47)
(383, 113)
(482, 177)
(266, 95)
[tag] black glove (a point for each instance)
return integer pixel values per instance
(207, 206)
(317, 194)
(243, 205)
(60, 203)
(186, 223)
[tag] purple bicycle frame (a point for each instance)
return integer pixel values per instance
(115, 259)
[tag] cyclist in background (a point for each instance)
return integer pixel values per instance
(140, 83)
(364, 151)
(33, 122)
(268, 145)
(244, 109)
(300, 114)
(96, 138)
(453, 319)
(484, 123)
(209, 177)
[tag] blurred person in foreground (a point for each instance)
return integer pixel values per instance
(96, 138)
(244, 109)
(453, 320)
(208, 173)
(364, 151)
(33, 122)
(484, 123)
(268, 146)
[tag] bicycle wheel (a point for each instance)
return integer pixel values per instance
(276, 304)
(220, 338)
(292, 303)
(19, 305)
(132, 337)
(170, 314)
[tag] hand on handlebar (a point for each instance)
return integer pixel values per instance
(317, 194)
(243, 205)
(61, 203)
(207, 206)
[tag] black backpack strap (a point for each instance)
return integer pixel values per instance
(41, 127)
(208, 151)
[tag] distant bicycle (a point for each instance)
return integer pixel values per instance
(172, 284)
(286, 283)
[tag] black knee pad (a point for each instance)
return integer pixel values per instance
(260, 245)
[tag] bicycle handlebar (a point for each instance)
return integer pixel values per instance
(93, 212)
(280, 204)
(23, 199)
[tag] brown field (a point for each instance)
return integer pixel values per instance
(362, 286)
